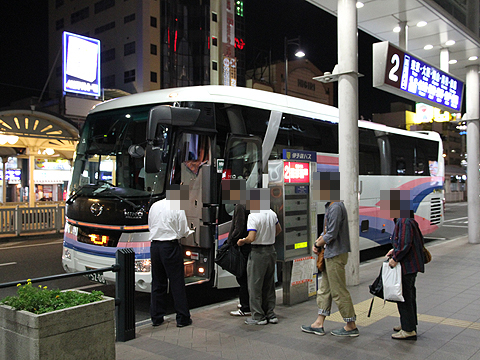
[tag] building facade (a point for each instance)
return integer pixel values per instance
(153, 44)
(300, 84)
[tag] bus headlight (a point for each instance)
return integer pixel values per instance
(70, 229)
(142, 265)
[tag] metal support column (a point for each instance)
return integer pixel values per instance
(348, 127)
(473, 183)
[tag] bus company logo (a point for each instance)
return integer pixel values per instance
(133, 214)
(96, 209)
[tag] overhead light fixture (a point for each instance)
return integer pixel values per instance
(450, 43)
(422, 23)
(299, 53)
(11, 139)
(360, 4)
(453, 61)
(397, 29)
(473, 58)
(428, 47)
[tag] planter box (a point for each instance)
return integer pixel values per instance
(80, 332)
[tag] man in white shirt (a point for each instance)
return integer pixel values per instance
(262, 227)
(168, 224)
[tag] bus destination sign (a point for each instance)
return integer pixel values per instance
(405, 75)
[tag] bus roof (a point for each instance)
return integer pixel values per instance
(226, 95)
(247, 97)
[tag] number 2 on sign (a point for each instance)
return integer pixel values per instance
(396, 61)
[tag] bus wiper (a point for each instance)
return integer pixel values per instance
(106, 185)
(110, 192)
(76, 194)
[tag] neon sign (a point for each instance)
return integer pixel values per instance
(239, 43)
(296, 172)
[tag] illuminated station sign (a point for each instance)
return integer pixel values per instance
(405, 75)
(81, 64)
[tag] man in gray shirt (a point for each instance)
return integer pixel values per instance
(336, 240)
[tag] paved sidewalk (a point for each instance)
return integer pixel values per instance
(448, 298)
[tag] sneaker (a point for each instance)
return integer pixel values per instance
(240, 313)
(251, 321)
(273, 320)
(343, 332)
(239, 305)
(397, 328)
(405, 335)
(313, 330)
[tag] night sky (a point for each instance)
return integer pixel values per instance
(24, 45)
(23, 49)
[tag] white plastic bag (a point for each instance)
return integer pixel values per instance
(392, 282)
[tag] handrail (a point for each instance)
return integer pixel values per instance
(19, 219)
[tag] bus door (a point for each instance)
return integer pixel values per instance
(191, 155)
(243, 160)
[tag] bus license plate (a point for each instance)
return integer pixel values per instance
(96, 276)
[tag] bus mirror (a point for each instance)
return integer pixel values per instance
(168, 115)
(153, 159)
(136, 151)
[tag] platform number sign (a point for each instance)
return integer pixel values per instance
(405, 75)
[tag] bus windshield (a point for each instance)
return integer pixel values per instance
(103, 158)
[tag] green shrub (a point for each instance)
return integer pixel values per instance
(40, 300)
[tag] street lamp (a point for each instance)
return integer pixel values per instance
(298, 53)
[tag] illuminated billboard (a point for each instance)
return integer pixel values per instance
(405, 75)
(81, 64)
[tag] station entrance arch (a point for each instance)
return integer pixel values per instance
(32, 135)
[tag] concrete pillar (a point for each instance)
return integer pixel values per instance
(403, 35)
(31, 180)
(444, 59)
(348, 127)
(473, 183)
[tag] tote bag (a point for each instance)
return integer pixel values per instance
(231, 259)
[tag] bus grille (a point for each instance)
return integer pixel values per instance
(435, 211)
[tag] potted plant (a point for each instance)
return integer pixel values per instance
(40, 323)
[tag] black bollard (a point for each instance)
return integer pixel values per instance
(125, 294)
